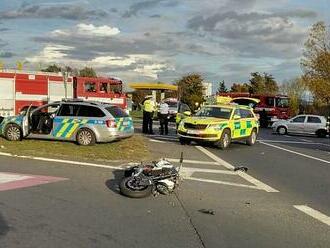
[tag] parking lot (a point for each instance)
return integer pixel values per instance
(281, 201)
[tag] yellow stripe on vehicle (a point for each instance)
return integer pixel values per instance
(72, 130)
(62, 130)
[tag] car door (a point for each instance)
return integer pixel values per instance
(312, 124)
(296, 124)
(64, 120)
(26, 122)
(236, 124)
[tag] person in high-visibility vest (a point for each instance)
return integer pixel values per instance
(149, 107)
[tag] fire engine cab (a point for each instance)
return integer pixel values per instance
(276, 107)
(19, 89)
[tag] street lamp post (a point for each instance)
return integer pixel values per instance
(65, 78)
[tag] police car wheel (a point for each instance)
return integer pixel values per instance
(252, 138)
(85, 137)
(13, 132)
(225, 140)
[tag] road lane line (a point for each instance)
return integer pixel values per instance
(222, 182)
(215, 158)
(256, 182)
(62, 161)
(293, 142)
(187, 161)
(297, 153)
(314, 213)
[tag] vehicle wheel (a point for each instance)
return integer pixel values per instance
(252, 138)
(225, 140)
(13, 132)
(184, 141)
(282, 130)
(321, 133)
(129, 188)
(85, 137)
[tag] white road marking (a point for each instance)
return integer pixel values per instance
(157, 141)
(222, 182)
(308, 141)
(187, 161)
(7, 177)
(314, 213)
(260, 185)
(297, 153)
(293, 142)
(61, 161)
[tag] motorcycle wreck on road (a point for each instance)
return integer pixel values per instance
(151, 178)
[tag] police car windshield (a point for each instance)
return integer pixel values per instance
(223, 113)
(116, 112)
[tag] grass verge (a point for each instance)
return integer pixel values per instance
(131, 149)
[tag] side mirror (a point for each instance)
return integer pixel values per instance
(237, 117)
(187, 113)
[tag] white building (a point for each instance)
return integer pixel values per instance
(207, 89)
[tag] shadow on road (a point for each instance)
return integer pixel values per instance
(113, 184)
(4, 228)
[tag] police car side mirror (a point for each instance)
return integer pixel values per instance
(237, 117)
(187, 113)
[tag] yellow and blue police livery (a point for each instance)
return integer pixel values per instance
(85, 122)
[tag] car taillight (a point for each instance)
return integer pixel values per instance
(111, 123)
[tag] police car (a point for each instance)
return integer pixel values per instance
(85, 122)
(220, 124)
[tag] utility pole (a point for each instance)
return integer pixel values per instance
(65, 79)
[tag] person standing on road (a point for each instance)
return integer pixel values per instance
(148, 112)
(163, 117)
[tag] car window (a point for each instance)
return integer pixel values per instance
(237, 113)
(246, 113)
(68, 110)
(299, 119)
(90, 111)
(216, 112)
(116, 112)
(183, 108)
(313, 119)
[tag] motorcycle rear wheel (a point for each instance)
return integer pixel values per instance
(127, 188)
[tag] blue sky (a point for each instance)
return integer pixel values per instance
(161, 40)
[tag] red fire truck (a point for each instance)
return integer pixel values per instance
(19, 89)
(275, 106)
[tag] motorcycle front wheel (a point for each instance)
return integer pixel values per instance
(130, 187)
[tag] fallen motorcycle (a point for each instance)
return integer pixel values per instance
(156, 177)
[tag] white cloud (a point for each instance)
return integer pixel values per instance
(51, 53)
(151, 70)
(83, 29)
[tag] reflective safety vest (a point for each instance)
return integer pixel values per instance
(149, 105)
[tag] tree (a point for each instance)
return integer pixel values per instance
(294, 89)
(87, 72)
(222, 87)
(191, 89)
(316, 62)
(263, 83)
(52, 68)
(242, 88)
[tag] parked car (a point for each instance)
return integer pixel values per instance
(302, 124)
(85, 122)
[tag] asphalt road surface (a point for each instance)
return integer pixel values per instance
(282, 201)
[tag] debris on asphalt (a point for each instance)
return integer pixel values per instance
(207, 211)
(241, 168)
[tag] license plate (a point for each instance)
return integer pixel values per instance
(125, 123)
(193, 132)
